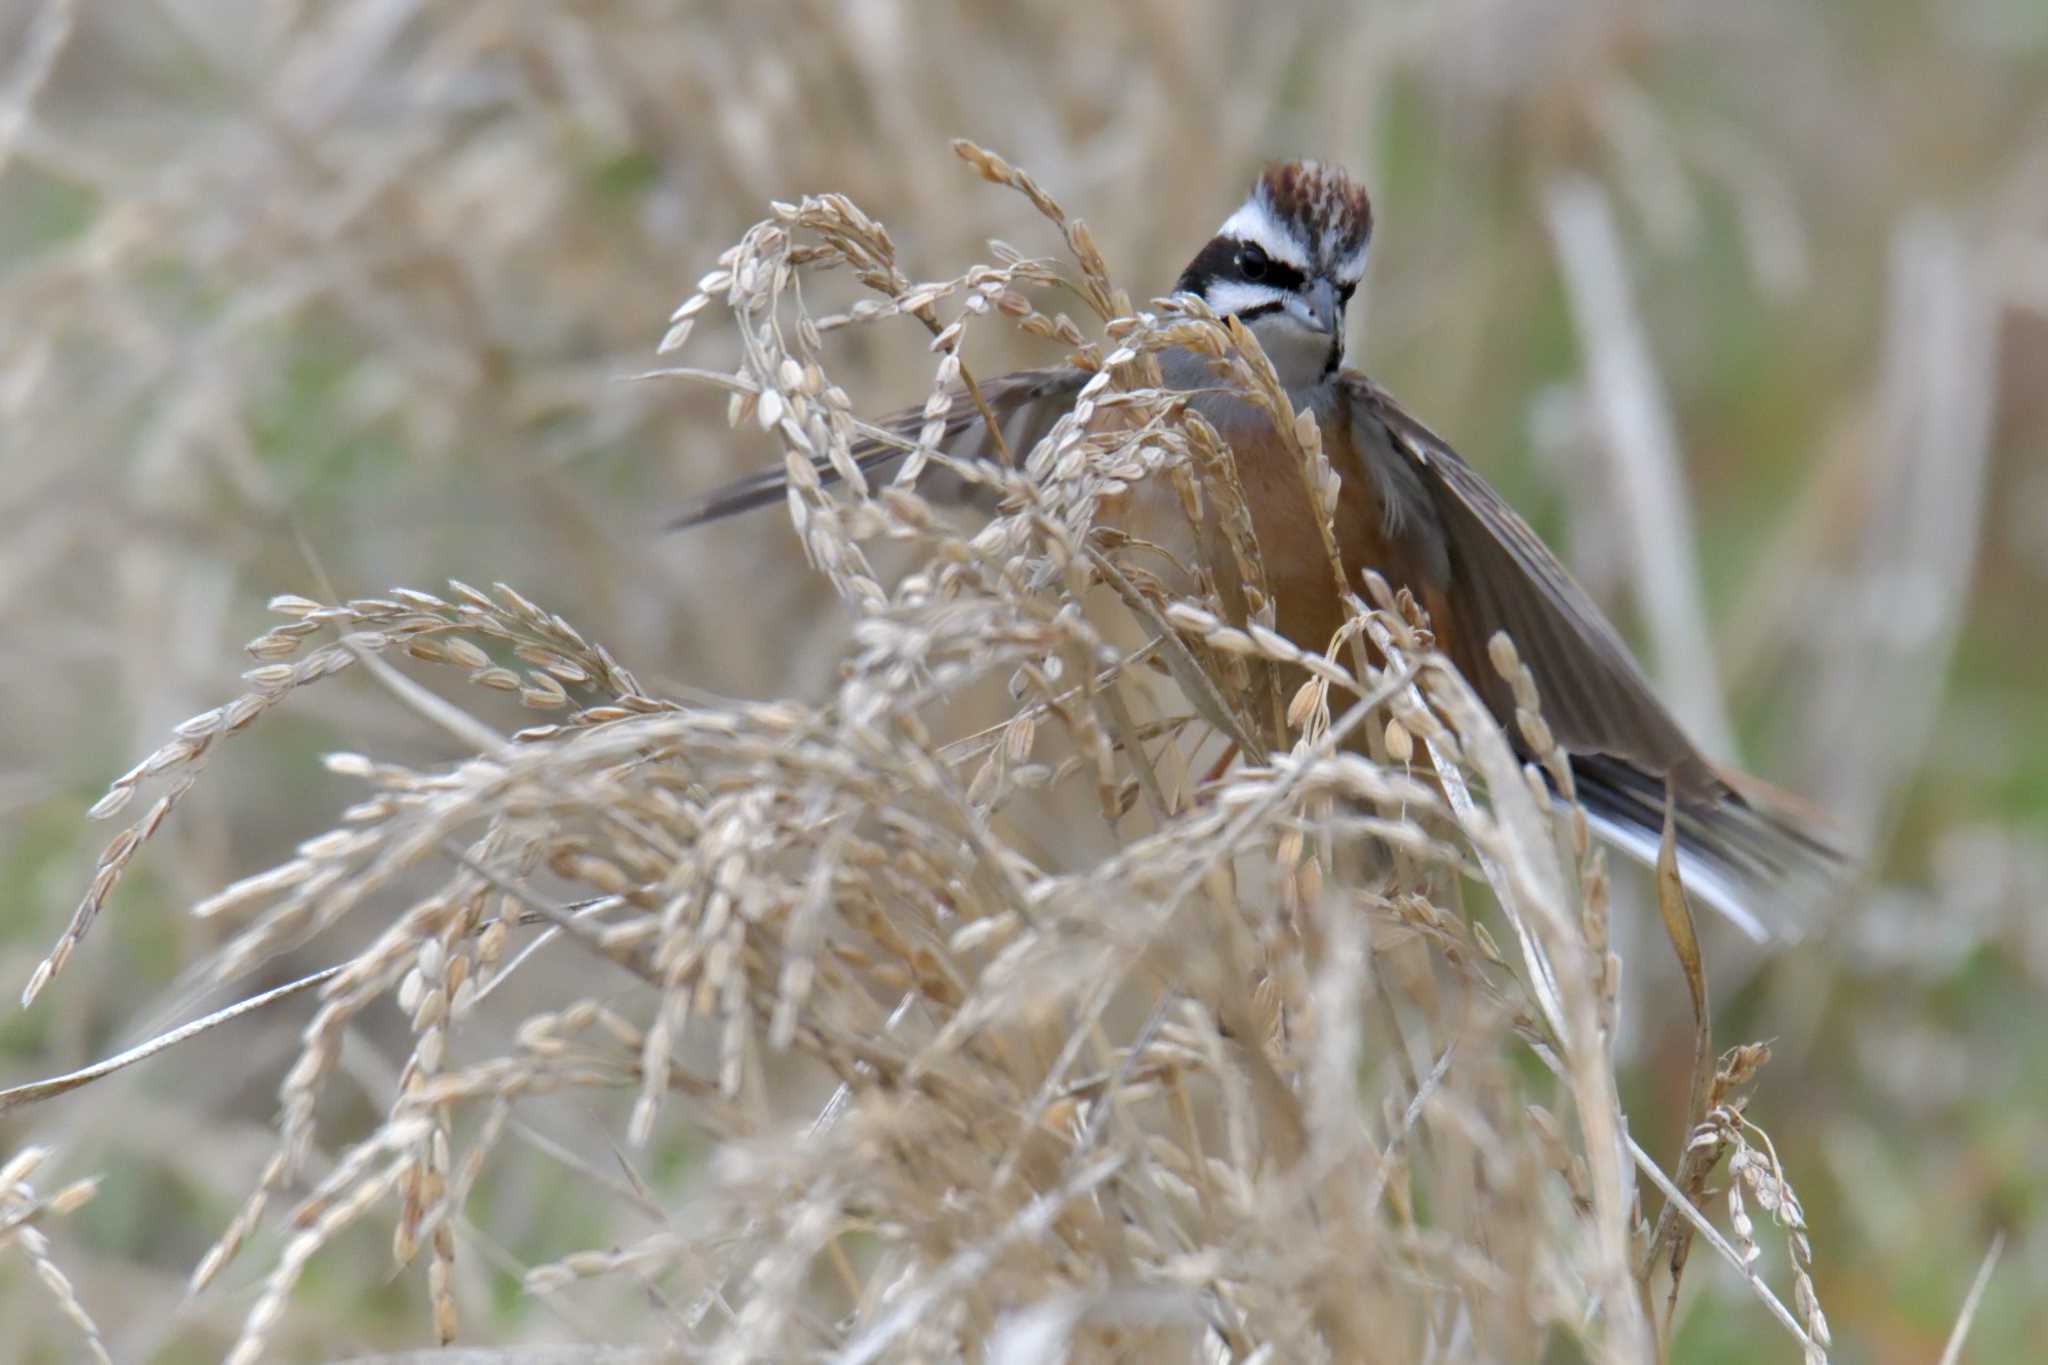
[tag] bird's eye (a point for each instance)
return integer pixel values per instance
(1252, 261)
(1344, 295)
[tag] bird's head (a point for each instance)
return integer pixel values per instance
(1286, 264)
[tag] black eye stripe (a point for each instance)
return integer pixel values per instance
(1217, 260)
(1255, 265)
(1282, 276)
(1221, 260)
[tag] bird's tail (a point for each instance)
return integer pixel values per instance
(1759, 855)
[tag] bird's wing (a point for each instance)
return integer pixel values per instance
(1500, 576)
(1025, 404)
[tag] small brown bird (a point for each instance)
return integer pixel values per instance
(1286, 264)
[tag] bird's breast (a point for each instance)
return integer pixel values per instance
(1382, 519)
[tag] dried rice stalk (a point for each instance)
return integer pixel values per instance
(1009, 1040)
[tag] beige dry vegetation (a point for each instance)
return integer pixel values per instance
(953, 1001)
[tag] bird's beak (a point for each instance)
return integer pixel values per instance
(1326, 307)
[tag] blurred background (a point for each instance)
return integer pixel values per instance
(1745, 306)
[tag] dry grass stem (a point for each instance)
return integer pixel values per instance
(1066, 983)
(21, 1210)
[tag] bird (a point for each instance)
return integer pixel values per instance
(1286, 264)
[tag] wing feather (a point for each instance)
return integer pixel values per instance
(1025, 404)
(1501, 576)
(1759, 856)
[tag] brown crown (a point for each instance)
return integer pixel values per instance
(1329, 202)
